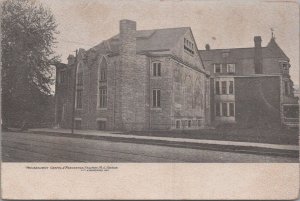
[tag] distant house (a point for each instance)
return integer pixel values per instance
(251, 86)
(136, 80)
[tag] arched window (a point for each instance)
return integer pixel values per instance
(103, 70)
(79, 86)
(102, 84)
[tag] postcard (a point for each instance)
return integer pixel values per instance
(139, 99)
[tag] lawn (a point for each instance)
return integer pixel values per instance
(260, 135)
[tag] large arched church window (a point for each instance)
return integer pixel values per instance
(102, 84)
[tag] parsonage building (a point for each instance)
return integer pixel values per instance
(136, 80)
(251, 87)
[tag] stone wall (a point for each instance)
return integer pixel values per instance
(188, 94)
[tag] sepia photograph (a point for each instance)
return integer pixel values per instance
(149, 83)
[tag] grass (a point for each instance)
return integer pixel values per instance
(260, 135)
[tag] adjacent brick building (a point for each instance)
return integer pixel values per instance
(136, 80)
(251, 86)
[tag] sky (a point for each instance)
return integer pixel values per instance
(222, 24)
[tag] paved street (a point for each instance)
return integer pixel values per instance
(27, 147)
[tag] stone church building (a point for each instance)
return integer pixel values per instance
(136, 80)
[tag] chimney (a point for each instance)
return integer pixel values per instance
(207, 47)
(127, 37)
(258, 59)
(71, 59)
(128, 79)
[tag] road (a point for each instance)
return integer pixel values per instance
(27, 147)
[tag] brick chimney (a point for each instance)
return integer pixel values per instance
(127, 37)
(71, 59)
(207, 47)
(258, 59)
(127, 78)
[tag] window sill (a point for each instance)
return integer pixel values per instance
(224, 73)
(101, 109)
(156, 108)
(189, 53)
(224, 94)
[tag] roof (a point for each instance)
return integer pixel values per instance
(272, 50)
(147, 40)
(60, 65)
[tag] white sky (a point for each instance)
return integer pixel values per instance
(85, 23)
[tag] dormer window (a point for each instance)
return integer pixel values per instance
(285, 66)
(188, 46)
(225, 54)
(217, 68)
(230, 68)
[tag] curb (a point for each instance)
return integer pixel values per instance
(190, 145)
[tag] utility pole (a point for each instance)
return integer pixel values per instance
(74, 93)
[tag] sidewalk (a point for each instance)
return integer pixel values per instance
(115, 134)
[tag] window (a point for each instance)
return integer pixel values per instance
(231, 68)
(101, 125)
(156, 69)
(102, 84)
(217, 87)
(224, 109)
(199, 123)
(217, 68)
(103, 97)
(79, 98)
(77, 124)
(103, 75)
(79, 87)
(188, 46)
(63, 114)
(184, 123)
(177, 123)
(230, 87)
(189, 123)
(156, 98)
(63, 76)
(285, 66)
(218, 110)
(286, 88)
(231, 109)
(80, 78)
(225, 54)
(224, 87)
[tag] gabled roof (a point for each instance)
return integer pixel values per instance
(147, 40)
(272, 50)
